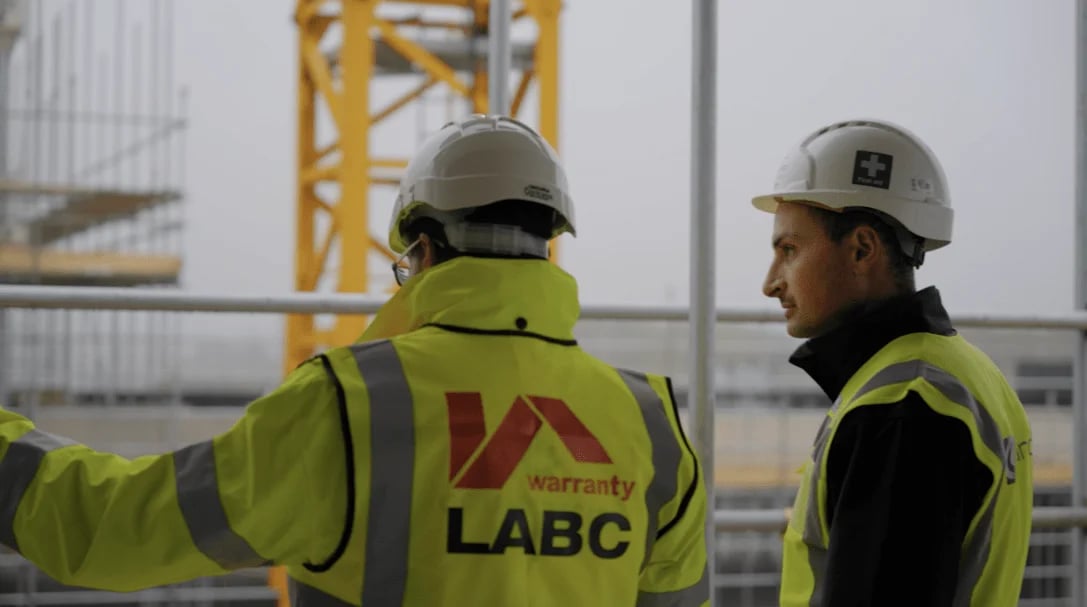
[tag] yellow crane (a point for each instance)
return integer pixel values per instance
(343, 47)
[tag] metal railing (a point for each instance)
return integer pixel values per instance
(99, 298)
(724, 520)
(323, 303)
(1051, 517)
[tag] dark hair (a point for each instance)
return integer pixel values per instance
(531, 217)
(839, 225)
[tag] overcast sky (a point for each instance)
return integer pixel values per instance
(987, 84)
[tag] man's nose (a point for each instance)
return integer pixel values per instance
(771, 286)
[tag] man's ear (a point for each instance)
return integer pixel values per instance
(865, 245)
(427, 245)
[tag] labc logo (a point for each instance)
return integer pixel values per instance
(558, 533)
(503, 450)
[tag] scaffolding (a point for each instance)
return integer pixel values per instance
(91, 163)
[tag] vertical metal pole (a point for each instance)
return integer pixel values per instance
(5, 60)
(50, 339)
(118, 94)
(34, 320)
(73, 123)
(63, 329)
(53, 155)
(1079, 428)
(137, 153)
(5, 208)
(499, 58)
(702, 322)
(67, 382)
(89, 130)
(100, 154)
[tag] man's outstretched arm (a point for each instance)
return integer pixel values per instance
(242, 499)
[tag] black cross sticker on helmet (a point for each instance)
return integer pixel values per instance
(872, 169)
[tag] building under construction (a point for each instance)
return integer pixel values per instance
(92, 176)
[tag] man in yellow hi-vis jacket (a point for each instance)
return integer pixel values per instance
(465, 451)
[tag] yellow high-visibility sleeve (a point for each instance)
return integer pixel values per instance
(270, 489)
(676, 573)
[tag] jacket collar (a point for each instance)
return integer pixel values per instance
(832, 359)
(485, 295)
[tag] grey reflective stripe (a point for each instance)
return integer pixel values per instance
(976, 551)
(948, 385)
(813, 526)
(17, 470)
(392, 450)
(304, 595)
(202, 508)
(666, 453)
(691, 596)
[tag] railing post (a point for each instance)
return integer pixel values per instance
(702, 320)
(1079, 427)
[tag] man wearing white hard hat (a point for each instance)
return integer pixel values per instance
(465, 452)
(919, 488)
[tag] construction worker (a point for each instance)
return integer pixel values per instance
(465, 451)
(918, 490)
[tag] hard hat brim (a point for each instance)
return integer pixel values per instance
(932, 222)
(767, 203)
(770, 202)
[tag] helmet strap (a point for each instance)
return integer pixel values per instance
(912, 245)
(918, 256)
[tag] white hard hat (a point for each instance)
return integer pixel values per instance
(475, 162)
(868, 164)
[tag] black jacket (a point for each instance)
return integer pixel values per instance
(903, 482)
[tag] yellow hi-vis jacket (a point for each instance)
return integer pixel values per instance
(477, 456)
(957, 380)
